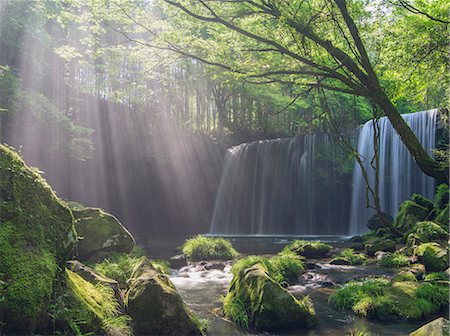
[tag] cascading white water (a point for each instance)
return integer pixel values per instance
(281, 186)
(399, 175)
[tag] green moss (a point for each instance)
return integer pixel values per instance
(309, 249)
(283, 267)
(441, 198)
(385, 300)
(395, 259)
(443, 217)
(423, 202)
(437, 278)
(96, 305)
(425, 232)
(349, 257)
(386, 245)
(36, 236)
(205, 248)
(256, 301)
(405, 276)
(409, 214)
(433, 256)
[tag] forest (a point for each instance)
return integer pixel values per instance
(224, 167)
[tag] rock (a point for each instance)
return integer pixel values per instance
(376, 222)
(102, 234)
(258, 303)
(386, 245)
(437, 327)
(418, 270)
(405, 276)
(356, 239)
(215, 265)
(94, 277)
(340, 261)
(425, 232)
(310, 266)
(433, 256)
(423, 201)
(178, 261)
(358, 246)
(155, 306)
(309, 249)
(409, 214)
(36, 237)
(442, 196)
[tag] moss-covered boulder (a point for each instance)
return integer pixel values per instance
(437, 327)
(309, 249)
(101, 234)
(433, 256)
(256, 302)
(348, 257)
(385, 245)
(423, 202)
(405, 276)
(442, 217)
(155, 306)
(441, 198)
(36, 236)
(409, 214)
(381, 299)
(425, 232)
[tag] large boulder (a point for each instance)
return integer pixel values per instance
(437, 327)
(433, 256)
(425, 232)
(101, 234)
(409, 214)
(423, 202)
(257, 302)
(155, 306)
(36, 236)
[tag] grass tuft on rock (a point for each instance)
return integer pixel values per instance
(393, 260)
(205, 248)
(381, 299)
(349, 257)
(309, 249)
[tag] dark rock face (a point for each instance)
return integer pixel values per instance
(36, 236)
(101, 234)
(178, 261)
(155, 306)
(377, 222)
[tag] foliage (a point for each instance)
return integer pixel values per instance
(384, 300)
(395, 259)
(309, 249)
(433, 256)
(96, 304)
(350, 257)
(283, 267)
(206, 248)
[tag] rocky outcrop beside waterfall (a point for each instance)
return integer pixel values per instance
(36, 236)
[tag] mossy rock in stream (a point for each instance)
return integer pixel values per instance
(381, 299)
(309, 249)
(155, 306)
(36, 236)
(256, 302)
(101, 234)
(425, 232)
(408, 215)
(386, 245)
(433, 256)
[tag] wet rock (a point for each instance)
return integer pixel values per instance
(356, 239)
(311, 266)
(437, 327)
(340, 261)
(358, 246)
(215, 265)
(178, 261)
(155, 306)
(102, 235)
(265, 303)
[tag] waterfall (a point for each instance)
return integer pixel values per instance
(281, 186)
(399, 175)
